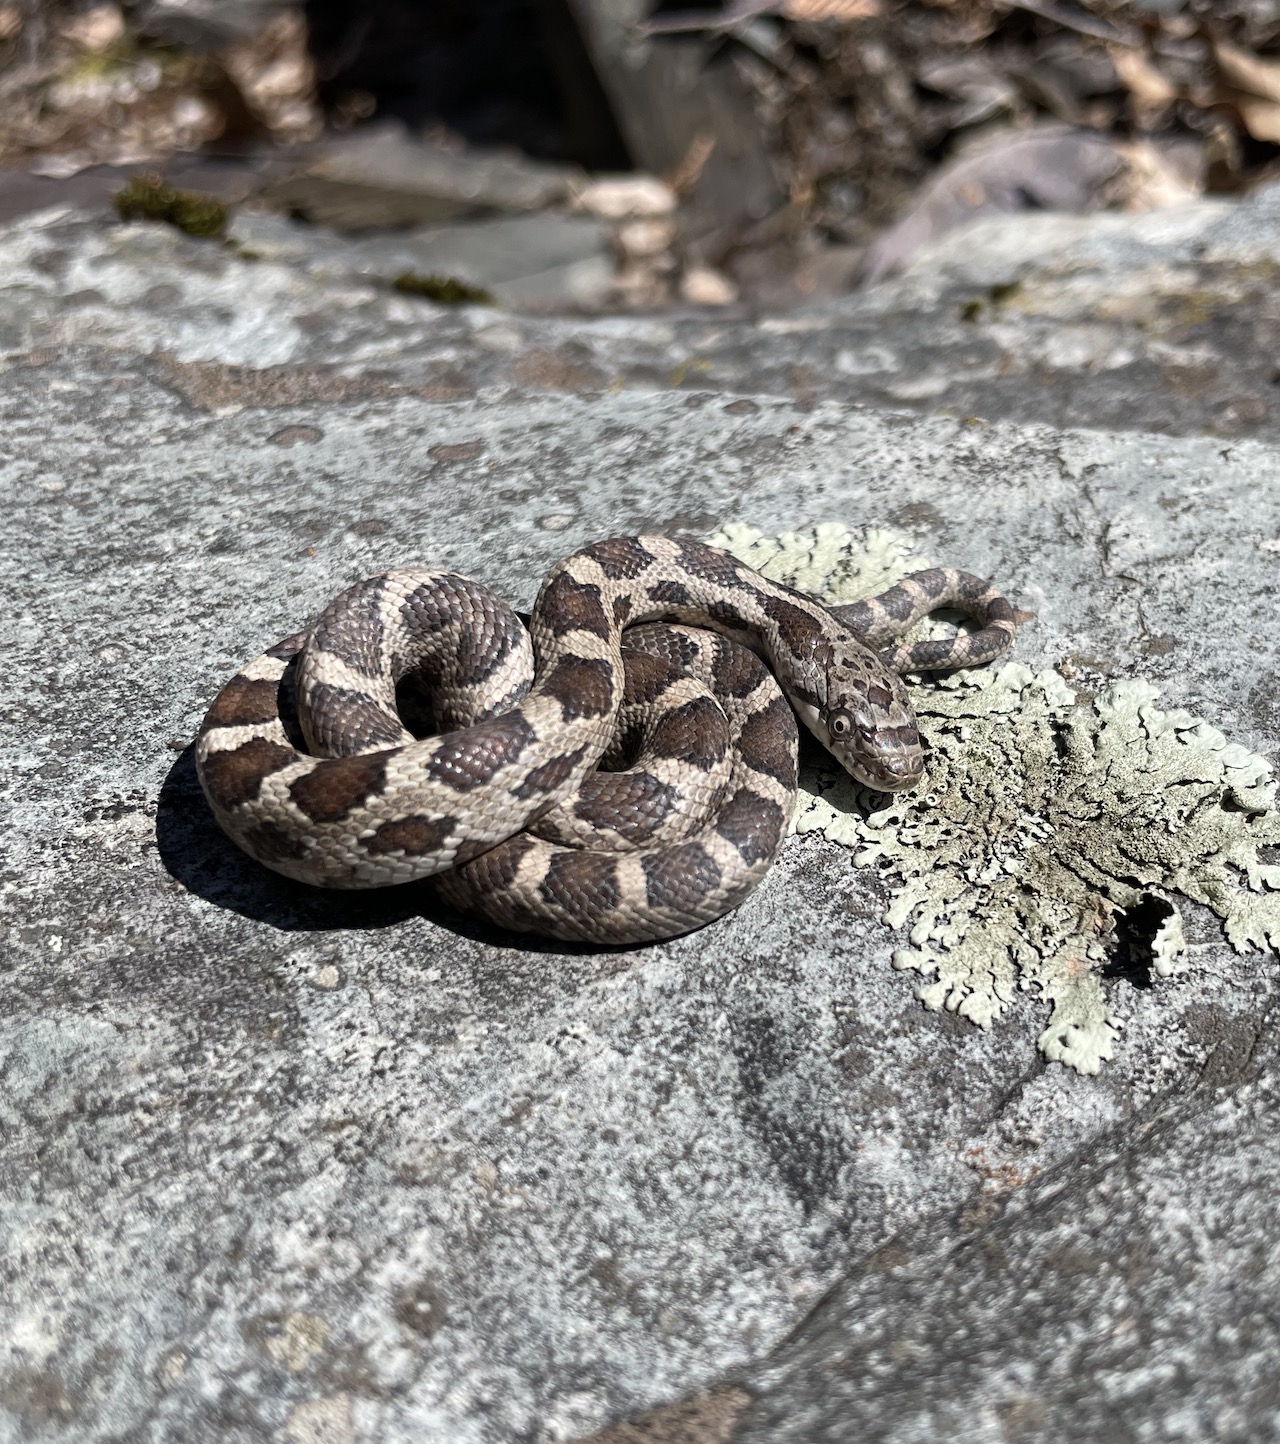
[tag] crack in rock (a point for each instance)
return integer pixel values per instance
(1045, 824)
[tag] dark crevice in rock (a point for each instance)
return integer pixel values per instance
(1134, 931)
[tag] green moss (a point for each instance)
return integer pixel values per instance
(445, 290)
(997, 296)
(151, 198)
(1049, 824)
(99, 65)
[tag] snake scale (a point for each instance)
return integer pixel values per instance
(624, 769)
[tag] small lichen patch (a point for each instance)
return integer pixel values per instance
(321, 1421)
(827, 561)
(1042, 822)
(295, 1340)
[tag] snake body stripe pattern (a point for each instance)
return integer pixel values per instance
(596, 777)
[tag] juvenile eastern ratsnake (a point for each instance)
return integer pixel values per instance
(603, 776)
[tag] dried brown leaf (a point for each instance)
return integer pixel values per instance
(736, 11)
(687, 171)
(96, 29)
(1248, 72)
(1141, 78)
(1261, 117)
(829, 9)
(1159, 174)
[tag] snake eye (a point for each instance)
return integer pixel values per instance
(840, 724)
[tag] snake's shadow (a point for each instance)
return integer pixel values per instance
(199, 855)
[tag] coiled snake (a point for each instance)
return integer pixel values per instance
(598, 777)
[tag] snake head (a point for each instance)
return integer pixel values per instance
(865, 721)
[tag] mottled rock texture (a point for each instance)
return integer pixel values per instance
(282, 1165)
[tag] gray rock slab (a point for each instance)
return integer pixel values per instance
(282, 1165)
(231, 179)
(1054, 169)
(1162, 323)
(203, 24)
(534, 262)
(1130, 1296)
(382, 176)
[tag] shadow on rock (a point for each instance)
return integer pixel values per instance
(198, 854)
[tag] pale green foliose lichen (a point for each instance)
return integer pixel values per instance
(1042, 820)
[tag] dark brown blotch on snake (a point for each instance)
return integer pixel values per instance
(573, 606)
(368, 725)
(798, 628)
(751, 823)
(236, 777)
(496, 870)
(670, 594)
(691, 733)
(635, 807)
(415, 836)
(541, 781)
(712, 565)
(355, 637)
(765, 740)
(338, 786)
(647, 678)
(244, 702)
(678, 877)
(583, 884)
(465, 761)
(737, 671)
(583, 687)
(620, 558)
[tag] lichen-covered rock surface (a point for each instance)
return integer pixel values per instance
(283, 1165)
(1049, 829)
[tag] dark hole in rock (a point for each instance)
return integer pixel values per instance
(495, 72)
(1135, 929)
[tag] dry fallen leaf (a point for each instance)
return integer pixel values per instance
(95, 30)
(686, 173)
(1248, 72)
(1144, 82)
(829, 9)
(737, 11)
(1252, 87)
(1261, 117)
(1159, 174)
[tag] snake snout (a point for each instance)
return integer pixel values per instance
(899, 778)
(896, 765)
